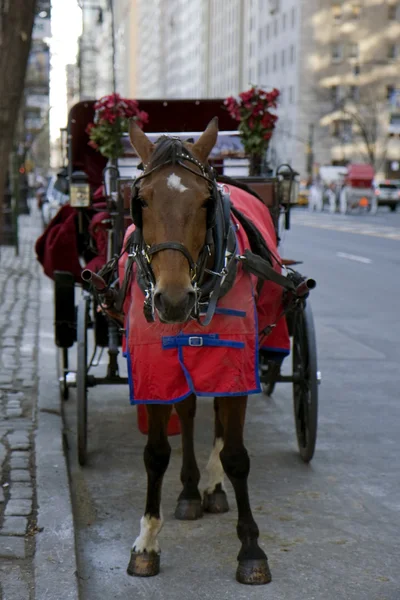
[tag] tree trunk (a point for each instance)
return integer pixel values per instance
(16, 23)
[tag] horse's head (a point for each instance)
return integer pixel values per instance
(174, 207)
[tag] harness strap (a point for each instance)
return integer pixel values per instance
(262, 269)
(173, 246)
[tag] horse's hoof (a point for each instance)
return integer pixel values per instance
(144, 564)
(188, 510)
(216, 502)
(253, 572)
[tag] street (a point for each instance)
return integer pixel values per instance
(330, 529)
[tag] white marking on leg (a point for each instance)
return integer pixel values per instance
(147, 540)
(214, 467)
(174, 183)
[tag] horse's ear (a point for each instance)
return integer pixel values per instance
(140, 141)
(207, 140)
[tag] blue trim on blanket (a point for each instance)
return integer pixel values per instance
(129, 365)
(198, 341)
(231, 312)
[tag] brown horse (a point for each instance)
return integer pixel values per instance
(173, 202)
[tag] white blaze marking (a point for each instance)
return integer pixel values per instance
(174, 183)
(147, 541)
(214, 467)
(360, 259)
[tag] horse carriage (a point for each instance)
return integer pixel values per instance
(357, 191)
(182, 284)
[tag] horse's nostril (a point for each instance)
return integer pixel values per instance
(159, 302)
(191, 299)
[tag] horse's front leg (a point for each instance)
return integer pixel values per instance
(145, 555)
(214, 498)
(253, 563)
(189, 505)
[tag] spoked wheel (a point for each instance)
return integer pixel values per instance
(81, 378)
(305, 388)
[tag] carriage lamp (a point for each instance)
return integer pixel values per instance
(79, 190)
(289, 185)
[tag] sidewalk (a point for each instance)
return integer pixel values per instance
(37, 547)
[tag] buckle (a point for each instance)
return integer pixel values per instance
(195, 341)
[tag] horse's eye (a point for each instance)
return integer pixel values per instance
(142, 202)
(207, 203)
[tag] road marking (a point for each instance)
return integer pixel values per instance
(360, 259)
(346, 226)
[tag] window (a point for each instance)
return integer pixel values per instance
(276, 27)
(292, 54)
(335, 94)
(354, 93)
(266, 65)
(283, 58)
(283, 21)
(393, 51)
(336, 52)
(267, 31)
(389, 91)
(291, 94)
(293, 16)
(282, 96)
(274, 62)
(393, 12)
(355, 10)
(336, 11)
(259, 68)
(353, 50)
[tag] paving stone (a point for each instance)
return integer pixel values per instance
(14, 585)
(19, 475)
(14, 526)
(21, 491)
(19, 462)
(18, 508)
(21, 454)
(13, 404)
(12, 547)
(13, 413)
(28, 383)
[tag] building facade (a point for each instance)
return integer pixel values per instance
(335, 62)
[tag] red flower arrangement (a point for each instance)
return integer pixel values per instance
(111, 117)
(256, 123)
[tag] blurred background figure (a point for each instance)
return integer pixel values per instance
(331, 197)
(315, 202)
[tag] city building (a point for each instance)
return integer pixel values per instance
(335, 62)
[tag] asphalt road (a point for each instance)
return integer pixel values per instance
(330, 529)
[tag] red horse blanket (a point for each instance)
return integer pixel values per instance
(166, 363)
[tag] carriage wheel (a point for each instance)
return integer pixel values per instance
(81, 379)
(305, 390)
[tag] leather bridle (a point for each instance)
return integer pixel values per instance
(217, 234)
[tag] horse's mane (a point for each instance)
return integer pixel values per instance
(166, 150)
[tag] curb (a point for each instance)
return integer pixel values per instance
(55, 556)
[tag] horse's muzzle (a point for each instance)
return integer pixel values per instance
(174, 306)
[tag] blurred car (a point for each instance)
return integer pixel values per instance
(387, 194)
(303, 195)
(54, 198)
